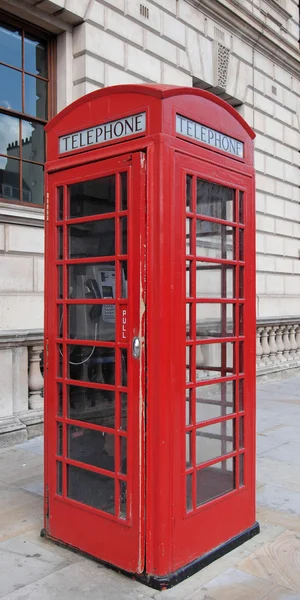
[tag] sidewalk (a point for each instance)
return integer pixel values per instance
(265, 568)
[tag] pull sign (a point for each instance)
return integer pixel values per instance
(100, 134)
(123, 323)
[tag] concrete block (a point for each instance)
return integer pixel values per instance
(284, 152)
(292, 284)
(168, 5)
(274, 167)
(260, 283)
(265, 184)
(191, 15)
(116, 4)
(88, 67)
(296, 266)
(274, 244)
(273, 89)
(95, 13)
(6, 383)
(89, 38)
(20, 379)
(282, 114)
(154, 20)
(20, 238)
(182, 60)
(140, 63)
(171, 75)
(77, 8)
(38, 264)
(284, 190)
(16, 274)
(2, 238)
(291, 174)
(265, 144)
(284, 265)
(124, 27)
(274, 129)
(290, 100)
(282, 76)
(259, 121)
(173, 29)
(265, 223)
(291, 247)
(248, 114)
(274, 206)
(260, 202)
(274, 284)
(260, 242)
(265, 263)
(292, 211)
(115, 76)
(19, 311)
(263, 64)
(259, 81)
(64, 69)
(261, 102)
(243, 51)
(259, 161)
(160, 47)
(291, 137)
(284, 227)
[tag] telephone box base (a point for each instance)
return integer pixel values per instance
(169, 581)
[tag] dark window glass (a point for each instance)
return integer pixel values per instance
(215, 201)
(33, 141)
(123, 191)
(92, 280)
(59, 478)
(94, 197)
(32, 183)
(123, 398)
(214, 481)
(35, 56)
(11, 88)
(189, 497)
(10, 46)
(189, 181)
(96, 238)
(92, 322)
(94, 364)
(91, 447)
(35, 97)
(123, 455)
(91, 488)
(9, 178)
(91, 405)
(123, 495)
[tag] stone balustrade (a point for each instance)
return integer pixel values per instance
(277, 348)
(21, 384)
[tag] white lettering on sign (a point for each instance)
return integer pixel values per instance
(209, 136)
(124, 323)
(114, 130)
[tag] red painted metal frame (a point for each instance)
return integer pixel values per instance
(172, 538)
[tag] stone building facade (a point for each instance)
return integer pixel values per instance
(247, 52)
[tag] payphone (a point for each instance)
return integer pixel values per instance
(150, 330)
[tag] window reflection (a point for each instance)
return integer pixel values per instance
(214, 200)
(10, 46)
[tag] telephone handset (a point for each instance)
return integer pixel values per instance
(103, 288)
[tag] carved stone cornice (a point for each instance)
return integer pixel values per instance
(252, 30)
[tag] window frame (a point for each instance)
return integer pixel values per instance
(50, 40)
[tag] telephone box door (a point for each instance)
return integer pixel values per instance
(94, 375)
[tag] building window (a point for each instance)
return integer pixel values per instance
(25, 70)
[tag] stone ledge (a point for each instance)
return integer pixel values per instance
(21, 337)
(32, 417)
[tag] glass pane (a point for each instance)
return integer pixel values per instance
(9, 135)
(59, 450)
(214, 320)
(92, 322)
(35, 97)
(60, 320)
(213, 401)
(33, 141)
(214, 361)
(188, 312)
(90, 363)
(188, 449)
(215, 200)
(123, 191)
(189, 275)
(214, 280)
(59, 478)
(91, 489)
(35, 56)
(189, 181)
(123, 397)
(124, 279)
(215, 481)
(241, 291)
(123, 455)
(189, 498)
(11, 92)
(91, 447)
(188, 364)
(241, 207)
(33, 183)
(10, 46)
(59, 400)
(123, 494)
(123, 235)
(93, 197)
(59, 360)
(9, 178)
(60, 203)
(214, 440)
(241, 319)
(96, 238)
(242, 257)
(241, 394)
(91, 405)
(214, 240)
(188, 232)
(242, 482)
(60, 238)
(241, 433)
(241, 357)
(188, 407)
(93, 280)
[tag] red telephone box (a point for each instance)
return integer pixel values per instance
(150, 330)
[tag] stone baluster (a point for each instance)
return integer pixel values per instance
(293, 342)
(297, 337)
(272, 344)
(279, 343)
(265, 345)
(259, 349)
(35, 378)
(286, 342)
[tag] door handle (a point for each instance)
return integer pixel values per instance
(136, 347)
